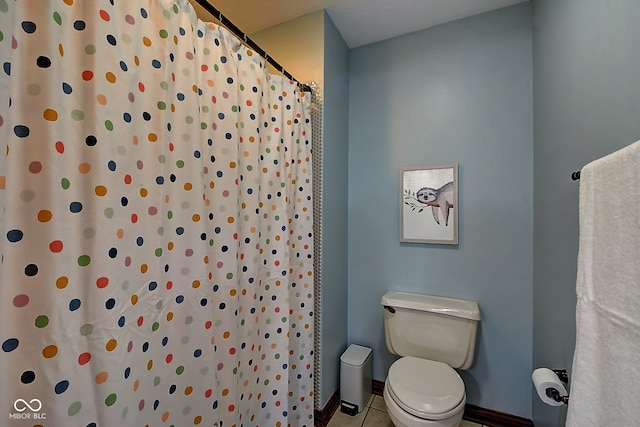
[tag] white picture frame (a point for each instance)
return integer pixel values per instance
(429, 204)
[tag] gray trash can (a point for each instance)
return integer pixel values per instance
(355, 379)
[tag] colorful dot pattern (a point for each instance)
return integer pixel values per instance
(155, 221)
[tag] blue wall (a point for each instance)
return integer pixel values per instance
(586, 74)
(334, 208)
(457, 93)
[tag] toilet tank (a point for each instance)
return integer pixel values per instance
(431, 327)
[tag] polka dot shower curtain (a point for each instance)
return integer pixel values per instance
(155, 219)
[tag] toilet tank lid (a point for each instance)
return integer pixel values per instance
(441, 305)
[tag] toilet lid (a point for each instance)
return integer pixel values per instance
(425, 388)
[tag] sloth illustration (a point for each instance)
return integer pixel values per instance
(437, 198)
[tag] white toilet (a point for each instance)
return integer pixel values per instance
(433, 335)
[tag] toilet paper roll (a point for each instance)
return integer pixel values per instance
(544, 378)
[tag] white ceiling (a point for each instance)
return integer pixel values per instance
(359, 22)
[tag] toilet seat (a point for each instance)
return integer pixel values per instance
(425, 388)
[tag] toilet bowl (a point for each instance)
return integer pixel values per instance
(424, 393)
(433, 335)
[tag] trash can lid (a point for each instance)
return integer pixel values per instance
(355, 355)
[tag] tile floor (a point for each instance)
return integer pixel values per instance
(374, 415)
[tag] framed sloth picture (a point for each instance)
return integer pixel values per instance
(429, 204)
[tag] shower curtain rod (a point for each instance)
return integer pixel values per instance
(253, 45)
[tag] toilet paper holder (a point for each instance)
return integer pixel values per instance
(562, 374)
(555, 394)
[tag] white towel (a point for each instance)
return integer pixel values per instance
(605, 379)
